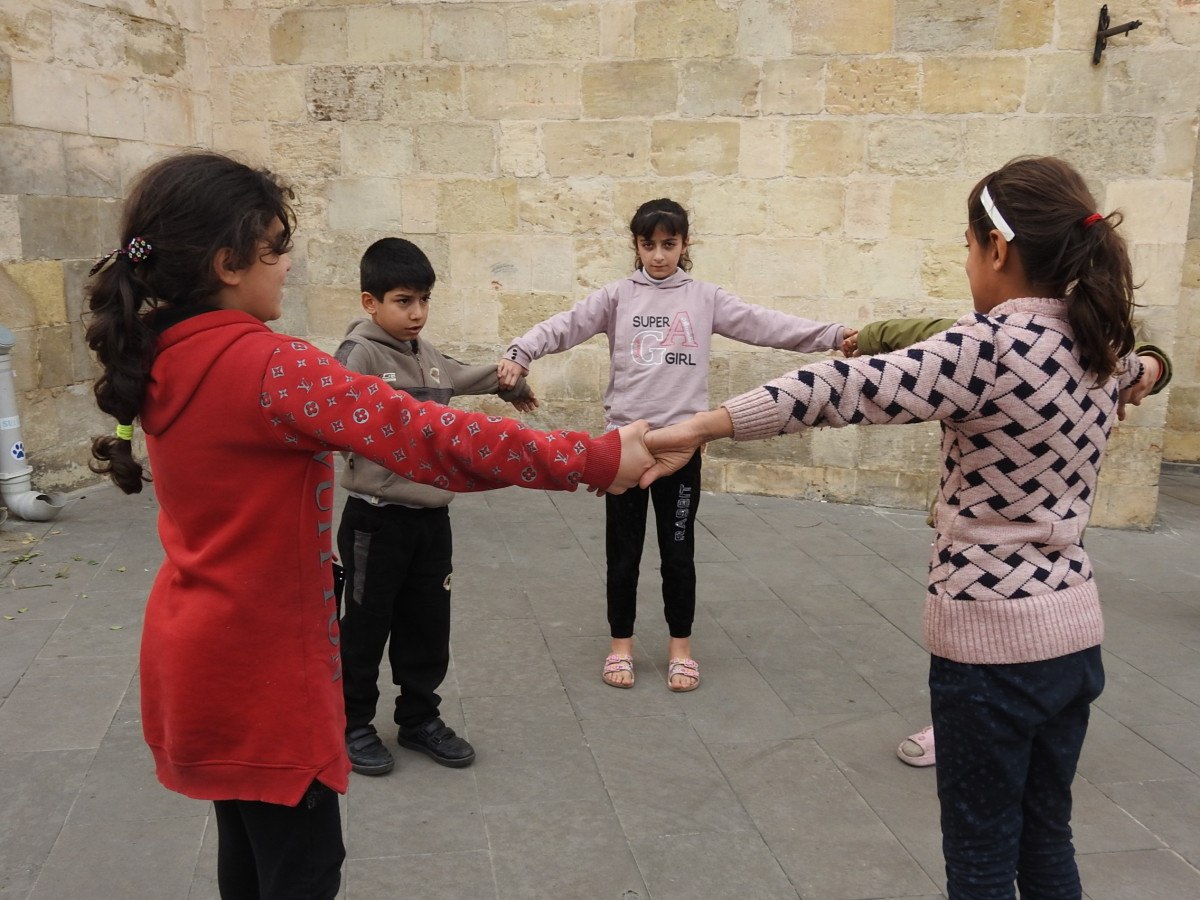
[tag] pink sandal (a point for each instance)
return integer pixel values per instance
(686, 667)
(917, 749)
(616, 663)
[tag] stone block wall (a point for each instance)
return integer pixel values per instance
(824, 149)
(89, 93)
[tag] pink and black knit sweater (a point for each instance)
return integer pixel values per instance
(1023, 433)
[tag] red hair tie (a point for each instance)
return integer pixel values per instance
(1092, 220)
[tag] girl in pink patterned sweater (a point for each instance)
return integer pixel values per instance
(1026, 388)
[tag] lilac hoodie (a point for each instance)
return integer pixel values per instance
(659, 337)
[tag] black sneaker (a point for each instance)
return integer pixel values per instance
(367, 754)
(439, 741)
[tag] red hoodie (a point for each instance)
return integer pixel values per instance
(240, 664)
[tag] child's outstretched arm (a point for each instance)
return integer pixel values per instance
(886, 335)
(309, 400)
(562, 331)
(485, 379)
(749, 323)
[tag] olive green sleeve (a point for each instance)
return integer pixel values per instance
(1144, 349)
(886, 335)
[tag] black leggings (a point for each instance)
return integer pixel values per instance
(676, 499)
(266, 851)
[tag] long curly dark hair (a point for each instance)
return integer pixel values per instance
(187, 208)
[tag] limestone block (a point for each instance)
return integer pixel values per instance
(992, 141)
(28, 31)
(369, 148)
(609, 91)
(943, 274)
(669, 29)
(18, 310)
(934, 208)
(249, 141)
(55, 361)
(154, 48)
(600, 260)
(271, 95)
(1024, 24)
(837, 447)
(10, 231)
(827, 147)
(1124, 506)
(75, 284)
(765, 28)
(520, 150)
(915, 447)
(1183, 24)
(84, 364)
(1190, 279)
(569, 206)
(346, 93)
(492, 262)
(764, 149)
(466, 34)
(1064, 83)
(865, 269)
(685, 148)
(729, 207)
(421, 93)
(806, 207)
(868, 208)
(948, 25)
(93, 168)
(42, 284)
(1155, 211)
(479, 316)
(1107, 146)
(333, 259)
(1162, 82)
(88, 38)
(914, 147)
(522, 91)
(793, 87)
(309, 36)
(328, 309)
(200, 113)
(854, 86)
(714, 260)
(545, 31)
(849, 26)
(469, 205)
(1159, 270)
(364, 202)
(1183, 415)
(456, 148)
(726, 87)
(239, 37)
(67, 227)
(1178, 150)
(384, 34)
(33, 162)
(168, 115)
(979, 84)
(616, 29)
(518, 312)
(33, 82)
(767, 267)
(595, 148)
(310, 150)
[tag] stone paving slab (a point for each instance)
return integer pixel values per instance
(776, 779)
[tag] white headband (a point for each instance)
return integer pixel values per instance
(989, 207)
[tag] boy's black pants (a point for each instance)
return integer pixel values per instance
(397, 591)
(676, 498)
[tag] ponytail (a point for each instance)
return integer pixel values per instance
(1067, 250)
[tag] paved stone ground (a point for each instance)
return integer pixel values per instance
(776, 779)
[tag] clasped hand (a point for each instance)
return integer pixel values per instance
(648, 454)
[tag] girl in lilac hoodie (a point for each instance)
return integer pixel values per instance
(659, 323)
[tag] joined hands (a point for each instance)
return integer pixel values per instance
(649, 454)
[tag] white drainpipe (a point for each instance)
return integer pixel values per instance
(15, 489)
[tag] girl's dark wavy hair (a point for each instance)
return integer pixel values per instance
(1046, 202)
(667, 214)
(187, 208)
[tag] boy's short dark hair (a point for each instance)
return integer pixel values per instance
(392, 263)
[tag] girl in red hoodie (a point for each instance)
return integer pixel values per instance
(240, 664)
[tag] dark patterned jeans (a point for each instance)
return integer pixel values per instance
(1008, 741)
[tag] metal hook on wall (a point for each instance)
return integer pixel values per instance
(1103, 33)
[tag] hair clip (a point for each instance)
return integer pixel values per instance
(136, 251)
(1091, 220)
(989, 207)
